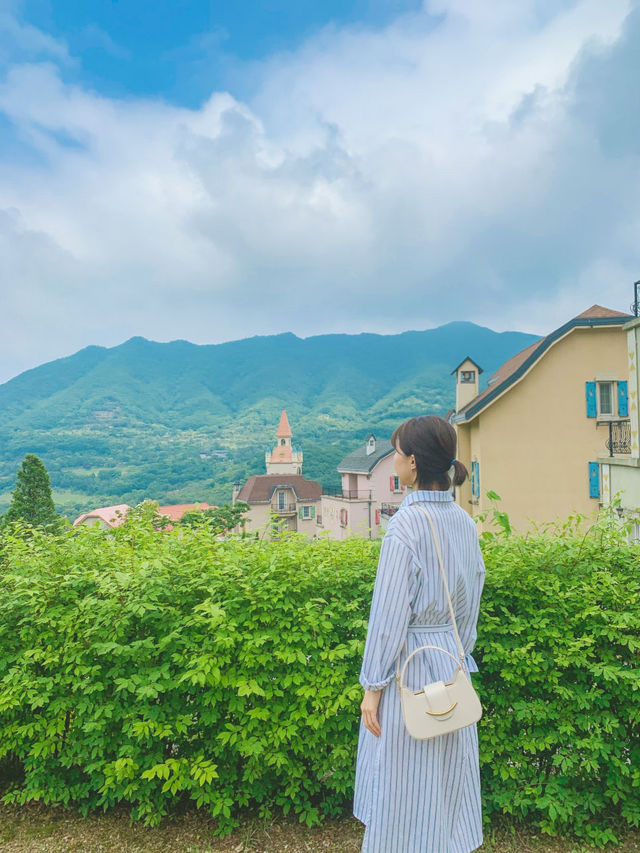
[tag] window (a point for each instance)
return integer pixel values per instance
(467, 376)
(605, 398)
(394, 483)
(281, 500)
(306, 512)
(282, 442)
(344, 517)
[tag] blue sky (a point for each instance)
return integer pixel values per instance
(182, 50)
(214, 171)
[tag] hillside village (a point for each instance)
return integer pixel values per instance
(555, 432)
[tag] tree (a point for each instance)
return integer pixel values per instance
(32, 501)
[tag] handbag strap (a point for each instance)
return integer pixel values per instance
(436, 543)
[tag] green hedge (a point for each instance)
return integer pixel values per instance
(160, 669)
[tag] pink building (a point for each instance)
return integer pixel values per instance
(282, 498)
(370, 494)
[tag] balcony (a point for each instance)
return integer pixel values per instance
(619, 440)
(347, 494)
(284, 509)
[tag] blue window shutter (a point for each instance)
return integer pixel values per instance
(313, 512)
(594, 480)
(475, 479)
(623, 402)
(591, 399)
(300, 513)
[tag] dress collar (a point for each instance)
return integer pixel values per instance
(421, 495)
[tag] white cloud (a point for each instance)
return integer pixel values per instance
(441, 168)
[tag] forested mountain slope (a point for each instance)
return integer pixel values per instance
(134, 420)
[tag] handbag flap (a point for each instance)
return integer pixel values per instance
(437, 696)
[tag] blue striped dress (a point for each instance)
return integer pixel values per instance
(420, 796)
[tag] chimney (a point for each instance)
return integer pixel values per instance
(236, 492)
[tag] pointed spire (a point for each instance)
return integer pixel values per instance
(284, 430)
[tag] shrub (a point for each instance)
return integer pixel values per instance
(160, 669)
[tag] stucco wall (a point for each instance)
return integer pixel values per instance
(357, 518)
(535, 442)
(624, 476)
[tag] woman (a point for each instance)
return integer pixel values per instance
(420, 796)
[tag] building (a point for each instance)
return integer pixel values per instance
(537, 434)
(282, 496)
(114, 516)
(619, 462)
(370, 493)
(284, 458)
(105, 517)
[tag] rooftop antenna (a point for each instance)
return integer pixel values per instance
(636, 304)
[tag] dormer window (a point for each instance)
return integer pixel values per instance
(371, 445)
(467, 376)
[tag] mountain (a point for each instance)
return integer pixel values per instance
(179, 421)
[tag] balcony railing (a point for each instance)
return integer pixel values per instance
(347, 494)
(619, 440)
(389, 509)
(283, 509)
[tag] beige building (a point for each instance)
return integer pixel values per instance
(537, 435)
(281, 499)
(370, 493)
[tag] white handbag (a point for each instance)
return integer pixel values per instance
(442, 706)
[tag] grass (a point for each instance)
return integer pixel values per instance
(41, 829)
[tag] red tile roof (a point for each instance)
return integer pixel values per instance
(281, 454)
(260, 487)
(599, 311)
(176, 511)
(111, 515)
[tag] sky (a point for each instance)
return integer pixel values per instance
(209, 171)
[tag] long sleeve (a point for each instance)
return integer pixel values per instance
(389, 615)
(468, 628)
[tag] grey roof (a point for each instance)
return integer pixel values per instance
(358, 462)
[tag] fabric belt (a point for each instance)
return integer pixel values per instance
(430, 629)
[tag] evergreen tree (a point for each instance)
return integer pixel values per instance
(32, 501)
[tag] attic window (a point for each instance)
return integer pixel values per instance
(467, 376)
(371, 445)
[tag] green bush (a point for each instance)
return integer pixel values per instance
(558, 640)
(160, 669)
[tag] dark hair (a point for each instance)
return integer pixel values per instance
(432, 441)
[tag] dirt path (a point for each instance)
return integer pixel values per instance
(38, 829)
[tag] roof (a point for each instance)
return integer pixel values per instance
(515, 368)
(468, 358)
(176, 511)
(282, 454)
(260, 488)
(599, 311)
(284, 430)
(357, 462)
(111, 515)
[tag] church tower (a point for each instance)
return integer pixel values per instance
(284, 458)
